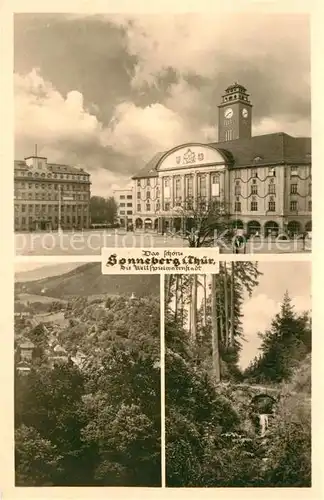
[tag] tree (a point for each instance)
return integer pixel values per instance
(202, 220)
(103, 210)
(37, 461)
(50, 401)
(284, 344)
(215, 334)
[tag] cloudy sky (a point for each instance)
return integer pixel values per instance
(258, 310)
(107, 92)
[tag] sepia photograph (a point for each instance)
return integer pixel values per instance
(87, 377)
(238, 376)
(162, 130)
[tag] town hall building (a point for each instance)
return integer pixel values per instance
(264, 182)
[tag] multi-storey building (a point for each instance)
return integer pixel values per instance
(125, 206)
(46, 192)
(263, 182)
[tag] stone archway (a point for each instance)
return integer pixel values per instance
(148, 223)
(253, 227)
(261, 412)
(308, 226)
(293, 227)
(138, 223)
(177, 224)
(238, 224)
(271, 228)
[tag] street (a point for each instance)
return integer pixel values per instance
(91, 242)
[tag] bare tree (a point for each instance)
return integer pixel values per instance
(205, 299)
(194, 309)
(176, 306)
(232, 302)
(215, 334)
(225, 282)
(204, 219)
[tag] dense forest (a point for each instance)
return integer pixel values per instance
(98, 424)
(212, 436)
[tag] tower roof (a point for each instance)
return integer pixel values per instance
(234, 86)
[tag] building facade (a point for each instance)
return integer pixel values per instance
(263, 182)
(48, 196)
(125, 206)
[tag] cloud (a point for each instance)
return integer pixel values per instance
(113, 90)
(104, 183)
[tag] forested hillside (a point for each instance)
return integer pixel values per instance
(96, 422)
(87, 279)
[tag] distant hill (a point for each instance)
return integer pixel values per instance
(87, 279)
(45, 271)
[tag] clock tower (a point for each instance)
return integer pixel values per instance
(235, 114)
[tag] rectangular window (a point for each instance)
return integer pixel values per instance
(129, 204)
(272, 206)
(237, 190)
(310, 189)
(122, 197)
(138, 207)
(138, 195)
(148, 207)
(272, 171)
(122, 204)
(129, 212)
(293, 171)
(138, 182)
(254, 189)
(148, 182)
(310, 205)
(254, 206)
(122, 212)
(293, 206)
(254, 172)
(23, 208)
(148, 195)
(167, 205)
(272, 189)
(189, 186)
(202, 186)
(237, 206)
(178, 188)
(293, 188)
(129, 196)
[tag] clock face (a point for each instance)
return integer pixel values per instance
(245, 113)
(228, 113)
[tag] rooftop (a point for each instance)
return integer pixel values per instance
(260, 150)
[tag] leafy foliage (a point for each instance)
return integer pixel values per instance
(212, 435)
(103, 210)
(99, 425)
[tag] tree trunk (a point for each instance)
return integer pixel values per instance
(215, 337)
(205, 299)
(226, 305)
(194, 309)
(232, 302)
(176, 306)
(168, 283)
(181, 301)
